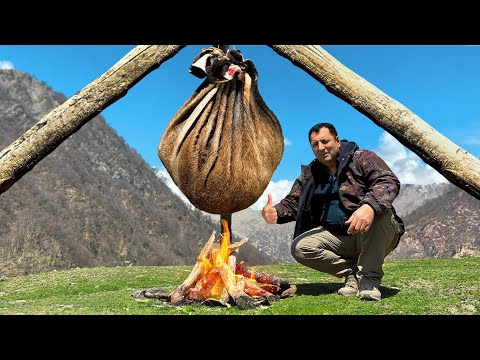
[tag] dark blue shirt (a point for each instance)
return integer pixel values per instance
(328, 211)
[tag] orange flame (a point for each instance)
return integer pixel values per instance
(216, 279)
(224, 243)
(211, 284)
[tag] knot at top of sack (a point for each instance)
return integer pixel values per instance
(219, 67)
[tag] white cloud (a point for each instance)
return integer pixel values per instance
(287, 142)
(278, 190)
(409, 168)
(6, 65)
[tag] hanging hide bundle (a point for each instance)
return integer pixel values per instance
(223, 145)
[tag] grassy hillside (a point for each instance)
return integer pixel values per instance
(416, 287)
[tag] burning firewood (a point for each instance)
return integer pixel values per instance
(216, 279)
(177, 295)
(257, 291)
(262, 278)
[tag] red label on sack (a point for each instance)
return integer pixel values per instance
(231, 71)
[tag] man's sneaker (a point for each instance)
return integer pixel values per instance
(350, 287)
(369, 292)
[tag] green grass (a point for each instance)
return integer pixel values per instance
(410, 287)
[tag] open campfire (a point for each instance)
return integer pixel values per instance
(218, 280)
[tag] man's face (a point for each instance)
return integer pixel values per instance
(325, 146)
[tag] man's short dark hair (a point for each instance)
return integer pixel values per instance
(316, 128)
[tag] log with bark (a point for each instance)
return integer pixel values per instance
(454, 163)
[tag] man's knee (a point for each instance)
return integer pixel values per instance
(305, 249)
(297, 250)
(384, 227)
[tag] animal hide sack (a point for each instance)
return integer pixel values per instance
(223, 145)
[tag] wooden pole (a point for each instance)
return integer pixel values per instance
(47, 134)
(228, 219)
(454, 163)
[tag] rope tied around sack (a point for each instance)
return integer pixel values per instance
(219, 67)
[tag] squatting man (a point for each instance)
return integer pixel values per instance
(342, 205)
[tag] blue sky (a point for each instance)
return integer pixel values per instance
(439, 83)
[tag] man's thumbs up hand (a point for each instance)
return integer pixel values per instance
(269, 213)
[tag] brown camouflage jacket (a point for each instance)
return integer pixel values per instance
(364, 178)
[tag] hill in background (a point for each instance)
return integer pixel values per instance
(444, 226)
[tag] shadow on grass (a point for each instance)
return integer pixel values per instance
(332, 288)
